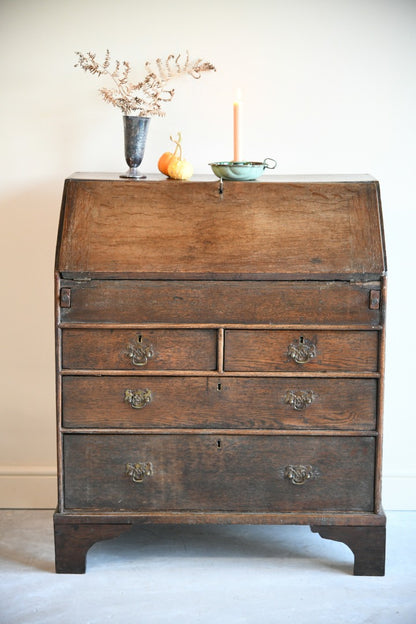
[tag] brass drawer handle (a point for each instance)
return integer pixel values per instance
(299, 399)
(302, 350)
(137, 472)
(299, 474)
(139, 352)
(137, 399)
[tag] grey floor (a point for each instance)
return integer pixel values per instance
(215, 574)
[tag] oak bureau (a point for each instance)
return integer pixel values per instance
(220, 355)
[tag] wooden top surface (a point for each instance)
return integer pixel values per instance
(280, 227)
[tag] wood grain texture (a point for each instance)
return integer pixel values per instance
(367, 543)
(208, 473)
(338, 518)
(73, 540)
(76, 533)
(218, 402)
(380, 404)
(257, 350)
(154, 301)
(172, 349)
(110, 227)
(218, 286)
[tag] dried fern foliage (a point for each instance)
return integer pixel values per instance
(147, 97)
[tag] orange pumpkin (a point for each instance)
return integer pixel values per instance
(164, 161)
(177, 167)
(166, 157)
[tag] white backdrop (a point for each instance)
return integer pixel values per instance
(328, 86)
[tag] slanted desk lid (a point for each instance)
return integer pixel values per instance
(279, 228)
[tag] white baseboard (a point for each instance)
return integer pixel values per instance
(34, 487)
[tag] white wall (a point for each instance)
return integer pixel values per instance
(329, 87)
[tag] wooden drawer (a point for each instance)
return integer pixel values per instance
(269, 350)
(214, 402)
(219, 302)
(146, 349)
(218, 473)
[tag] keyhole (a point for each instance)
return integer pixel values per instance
(301, 339)
(139, 338)
(219, 387)
(219, 444)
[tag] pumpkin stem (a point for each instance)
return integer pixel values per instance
(178, 145)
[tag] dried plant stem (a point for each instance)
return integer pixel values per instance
(144, 98)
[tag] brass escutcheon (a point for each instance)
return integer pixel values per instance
(139, 352)
(299, 474)
(299, 399)
(137, 472)
(138, 399)
(302, 350)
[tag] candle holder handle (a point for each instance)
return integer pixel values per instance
(267, 166)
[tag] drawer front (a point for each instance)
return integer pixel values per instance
(219, 302)
(211, 473)
(214, 402)
(270, 350)
(146, 349)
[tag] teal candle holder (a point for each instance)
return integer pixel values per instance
(241, 170)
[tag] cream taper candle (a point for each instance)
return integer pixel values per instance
(237, 108)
